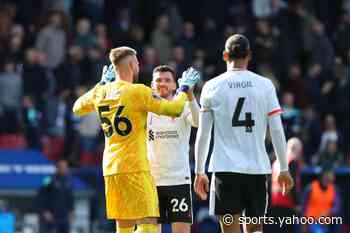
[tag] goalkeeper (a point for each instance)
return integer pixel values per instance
(131, 196)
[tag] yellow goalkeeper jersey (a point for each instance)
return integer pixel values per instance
(122, 108)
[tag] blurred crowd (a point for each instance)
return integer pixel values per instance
(52, 51)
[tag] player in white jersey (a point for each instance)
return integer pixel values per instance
(168, 153)
(241, 104)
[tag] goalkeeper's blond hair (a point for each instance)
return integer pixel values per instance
(117, 55)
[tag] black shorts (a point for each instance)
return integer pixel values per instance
(235, 193)
(175, 203)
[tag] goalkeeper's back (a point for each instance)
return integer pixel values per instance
(122, 108)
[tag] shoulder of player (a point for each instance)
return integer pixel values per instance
(98, 91)
(266, 82)
(139, 89)
(212, 83)
(139, 86)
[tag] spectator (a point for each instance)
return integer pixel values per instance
(95, 60)
(55, 201)
(210, 40)
(93, 9)
(88, 128)
(188, 41)
(297, 84)
(265, 42)
(331, 158)
(59, 5)
(311, 132)
(322, 198)
(137, 38)
(148, 62)
(16, 44)
(119, 29)
(102, 39)
(32, 123)
(343, 100)
(56, 111)
(6, 21)
(322, 49)
(175, 18)
(35, 81)
(314, 84)
(290, 20)
(10, 97)
(161, 39)
(291, 116)
(69, 74)
(342, 36)
(84, 37)
(330, 132)
(178, 56)
(266, 8)
(282, 204)
(52, 40)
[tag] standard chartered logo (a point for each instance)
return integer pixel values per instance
(170, 134)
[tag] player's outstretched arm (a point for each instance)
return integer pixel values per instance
(84, 104)
(156, 104)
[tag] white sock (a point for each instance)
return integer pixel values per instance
(257, 232)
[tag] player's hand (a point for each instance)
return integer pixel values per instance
(201, 186)
(285, 181)
(108, 75)
(189, 78)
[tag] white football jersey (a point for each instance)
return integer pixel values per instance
(168, 148)
(241, 102)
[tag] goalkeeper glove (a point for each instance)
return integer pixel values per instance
(108, 75)
(189, 79)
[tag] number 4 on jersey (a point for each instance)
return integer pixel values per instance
(248, 123)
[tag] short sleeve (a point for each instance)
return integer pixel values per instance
(273, 106)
